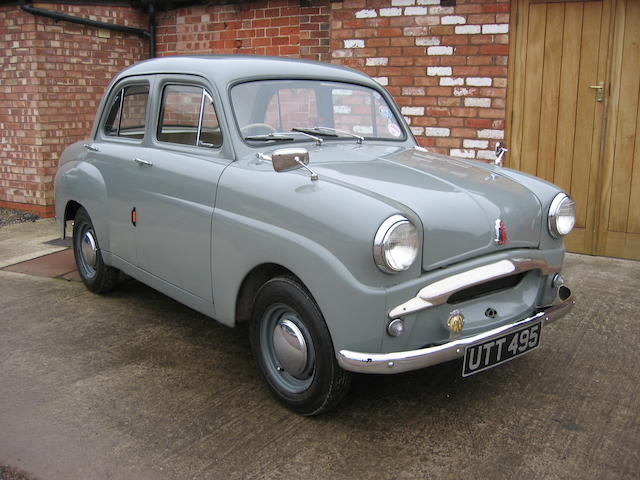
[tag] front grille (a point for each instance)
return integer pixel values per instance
(486, 288)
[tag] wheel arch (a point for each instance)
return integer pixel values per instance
(252, 282)
(81, 184)
(71, 209)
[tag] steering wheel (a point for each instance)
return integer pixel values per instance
(245, 130)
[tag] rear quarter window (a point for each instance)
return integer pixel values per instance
(127, 113)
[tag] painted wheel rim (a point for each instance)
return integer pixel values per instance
(287, 349)
(87, 249)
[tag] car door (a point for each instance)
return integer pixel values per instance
(177, 178)
(118, 141)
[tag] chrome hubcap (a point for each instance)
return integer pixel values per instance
(287, 349)
(88, 248)
(290, 347)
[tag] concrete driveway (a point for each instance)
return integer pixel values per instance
(133, 385)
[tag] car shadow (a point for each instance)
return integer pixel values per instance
(433, 390)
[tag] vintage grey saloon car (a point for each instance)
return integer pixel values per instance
(292, 195)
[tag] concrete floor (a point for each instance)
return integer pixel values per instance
(134, 385)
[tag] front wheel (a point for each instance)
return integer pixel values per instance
(293, 348)
(97, 276)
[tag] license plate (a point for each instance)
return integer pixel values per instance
(485, 355)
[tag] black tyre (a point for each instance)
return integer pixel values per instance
(97, 276)
(293, 348)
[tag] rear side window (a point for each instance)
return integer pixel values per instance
(188, 117)
(127, 113)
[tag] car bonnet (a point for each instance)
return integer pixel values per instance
(466, 209)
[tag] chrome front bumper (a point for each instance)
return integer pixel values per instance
(397, 362)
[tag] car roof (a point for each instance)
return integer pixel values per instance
(227, 69)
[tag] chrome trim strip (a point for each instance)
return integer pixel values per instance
(397, 362)
(439, 292)
(199, 132)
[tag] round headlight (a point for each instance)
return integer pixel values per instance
(562, 215)
(395, 246)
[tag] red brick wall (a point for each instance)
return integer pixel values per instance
(52, 76)
(445, 66)
(19, 135)
(274, 27)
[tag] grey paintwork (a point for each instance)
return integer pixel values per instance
(207, 218)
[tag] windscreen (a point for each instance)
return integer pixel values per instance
(280, 106)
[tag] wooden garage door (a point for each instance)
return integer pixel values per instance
(573, 66)
(619, 221)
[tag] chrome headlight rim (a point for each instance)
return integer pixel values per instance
(380, 242)
(554, 214)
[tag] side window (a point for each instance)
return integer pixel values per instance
(113, 119)
(210, 134)
(188, 117)
(127, 113)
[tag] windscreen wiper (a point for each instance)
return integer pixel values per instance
(308, 132)
(314, 131)
(328, 131)
(271, 137)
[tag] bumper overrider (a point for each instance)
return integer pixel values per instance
(438, 293)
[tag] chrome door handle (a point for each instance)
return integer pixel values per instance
(93, 148)
(142, 162)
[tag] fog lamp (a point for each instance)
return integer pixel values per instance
(558, 281)
(395, 327)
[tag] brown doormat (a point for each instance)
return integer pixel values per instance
(55, 265)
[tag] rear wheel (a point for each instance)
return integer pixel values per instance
(293, 348)
(97, 276)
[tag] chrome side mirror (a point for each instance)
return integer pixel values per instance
(286, 159)
(500, 151)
